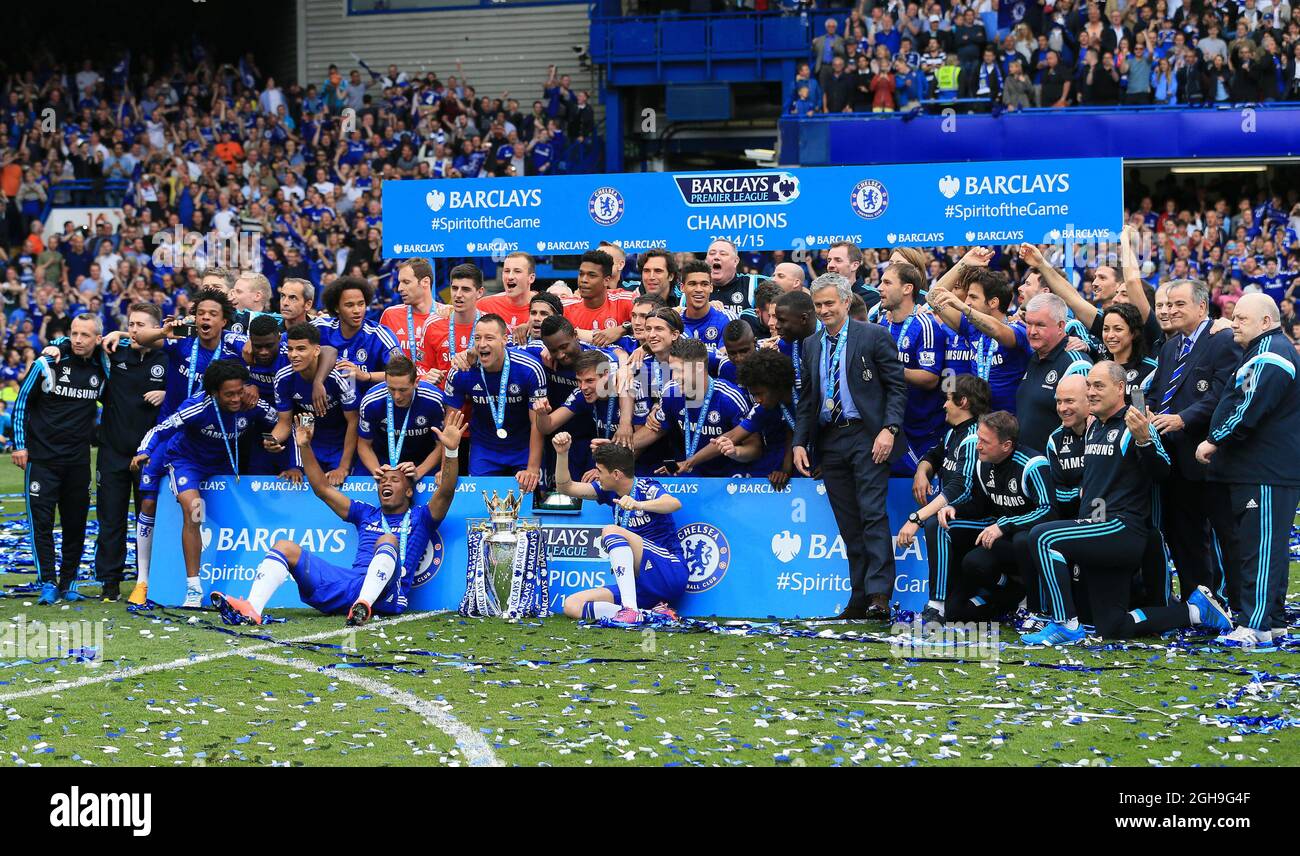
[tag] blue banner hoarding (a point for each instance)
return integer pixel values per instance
(1042, 201)
(752, 552)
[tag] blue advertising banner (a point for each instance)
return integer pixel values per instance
(752, 552)
(1042, 201)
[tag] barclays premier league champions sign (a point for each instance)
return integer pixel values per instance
(1041, 201)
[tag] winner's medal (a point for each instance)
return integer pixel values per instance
(497, 403)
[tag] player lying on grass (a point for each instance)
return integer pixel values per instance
(645, 571)
(391, 542)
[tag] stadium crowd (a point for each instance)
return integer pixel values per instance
(1015, 54)
(971, 364)
(281, 179)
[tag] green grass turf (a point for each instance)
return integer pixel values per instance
(552, 692)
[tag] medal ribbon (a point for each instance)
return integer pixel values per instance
(232, 449)
(498, 404)
(401, 538)
(695, 430)
(395, 445)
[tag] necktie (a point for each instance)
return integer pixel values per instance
(1172, 385)
(833, 385)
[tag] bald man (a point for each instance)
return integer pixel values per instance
(789, 276)
(1250, 450)
(1122, 458)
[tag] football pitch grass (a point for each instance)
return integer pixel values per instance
(175, 687)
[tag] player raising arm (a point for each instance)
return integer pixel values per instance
(644, 569)
(391, 542)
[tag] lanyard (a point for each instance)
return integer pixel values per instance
(609, 418)
(798, 370)
(983, 347)
(232, 449)
(695, 430)
(194, 365)
(831, 373)
(410, 332)
(401, 538)
(787, 416)
(451, 334)
(622, 517)
(395, 444)
(498, 403)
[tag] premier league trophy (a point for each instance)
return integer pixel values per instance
(507, 574)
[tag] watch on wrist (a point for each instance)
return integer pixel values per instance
(915, 519)
(892, 429)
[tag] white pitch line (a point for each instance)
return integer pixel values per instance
(476, 749)
(136, 671)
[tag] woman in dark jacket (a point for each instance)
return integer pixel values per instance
(1218, 77)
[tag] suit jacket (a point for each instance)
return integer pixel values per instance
(1208, 369)
(819, 51)
(1110, 40)
(875, 378)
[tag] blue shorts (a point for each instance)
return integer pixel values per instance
(263, 463)
(661, 580)
(189, 475)
(332, 590)
(152, 474)
(492, 462)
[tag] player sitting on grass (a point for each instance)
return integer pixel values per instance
(391, 542)
(644, 570)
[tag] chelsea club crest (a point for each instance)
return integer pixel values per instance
(869, 199)
(430, 562)
(605, 206)
(708, 555)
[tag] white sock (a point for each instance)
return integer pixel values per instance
(1194, 613)
(936, 605)
(378, 573)
(193, 584)
(1072, 624)
(600, 609)
(620, 562)
(143, 546)
(271, 574)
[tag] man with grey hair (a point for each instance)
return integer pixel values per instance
(54, 422)
(851, 405)
(297, 297)
(1045, 317)
(1250, 449)
(1193, 368)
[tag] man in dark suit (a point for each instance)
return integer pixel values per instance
(1193, 368)
(1113, 34)
(851, 410)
